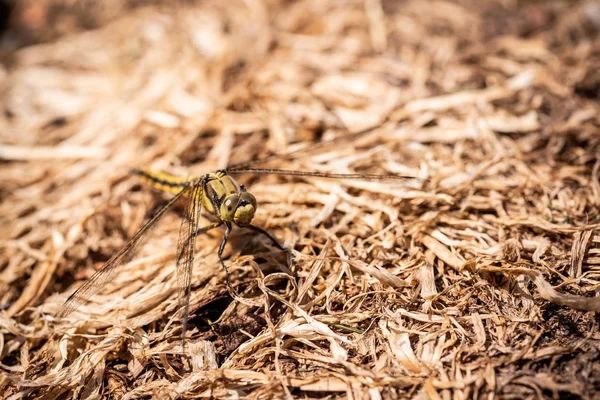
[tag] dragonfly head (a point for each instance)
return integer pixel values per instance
(239, 208)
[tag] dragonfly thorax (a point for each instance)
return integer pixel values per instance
(238, 208)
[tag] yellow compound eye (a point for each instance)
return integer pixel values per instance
(229, 206)
(245, 209)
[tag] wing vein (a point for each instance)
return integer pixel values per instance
(185, 254)
(347, 137)
(327, 175)
(101, 277)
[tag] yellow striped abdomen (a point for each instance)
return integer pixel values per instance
(161, 181)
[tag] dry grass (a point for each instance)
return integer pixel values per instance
(479, 283)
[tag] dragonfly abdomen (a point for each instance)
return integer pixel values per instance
(161, 181)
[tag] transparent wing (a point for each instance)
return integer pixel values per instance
(365, 177)
(100, 278)
(311, 147)
(185, 253)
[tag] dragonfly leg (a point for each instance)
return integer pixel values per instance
(207, 228)
(276, 243)
(221, 248)
(267, 234)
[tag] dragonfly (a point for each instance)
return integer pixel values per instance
(217, 194)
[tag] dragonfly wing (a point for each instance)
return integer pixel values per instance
(327, 175)
(185, 253)
(100, 278)
(347, 137)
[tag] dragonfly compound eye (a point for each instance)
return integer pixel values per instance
(228, 207)
(245, 209)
